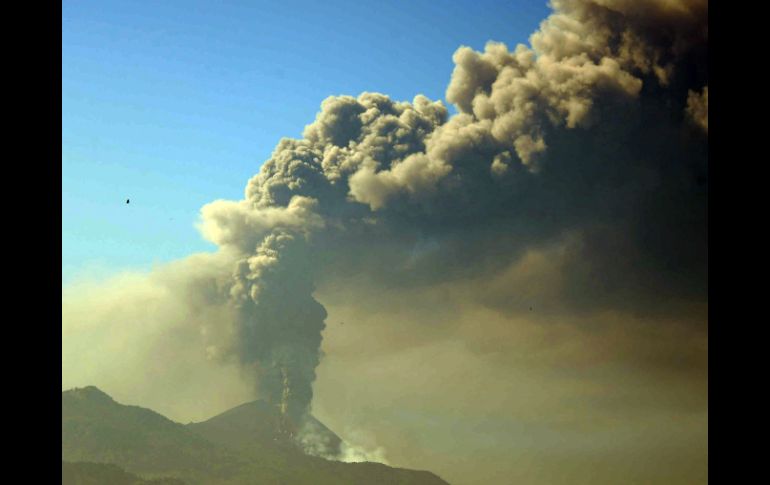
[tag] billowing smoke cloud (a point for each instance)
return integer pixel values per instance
(584, 142)
(584, 132)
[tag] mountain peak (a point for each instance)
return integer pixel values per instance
(239, 446)
(257, 422)
(90, 393)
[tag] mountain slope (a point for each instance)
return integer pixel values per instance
(256, 424)
(98, 429)
(82, 473)
(95, 428)
(252, 429)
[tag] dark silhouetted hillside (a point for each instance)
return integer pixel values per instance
(237, 447)
(81, 473)
(256, 424)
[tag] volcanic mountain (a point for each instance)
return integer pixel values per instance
(240, 446)
(257, 425)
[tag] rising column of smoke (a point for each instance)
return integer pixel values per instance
(598, 131)
(548, 140)
(279, 323)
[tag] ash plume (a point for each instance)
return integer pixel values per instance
(597, 134)
(280, 322)
(584, 132)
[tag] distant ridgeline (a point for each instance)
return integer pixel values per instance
(105, 442)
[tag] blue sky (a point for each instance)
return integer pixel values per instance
(174, 104)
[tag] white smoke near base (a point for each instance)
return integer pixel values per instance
(315, 440)
(356, 454)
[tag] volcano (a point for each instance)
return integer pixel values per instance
(259, 424)
(244, 445)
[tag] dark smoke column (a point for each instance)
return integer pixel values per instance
(598, 132)
(280, 322)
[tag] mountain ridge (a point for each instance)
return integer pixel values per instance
(256, 421)
(236, 447)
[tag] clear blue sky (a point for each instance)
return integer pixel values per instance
(176, 103)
